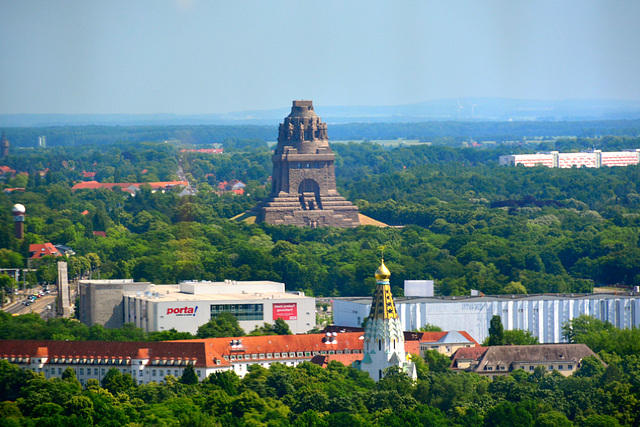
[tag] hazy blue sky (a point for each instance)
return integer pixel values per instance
(189, 57)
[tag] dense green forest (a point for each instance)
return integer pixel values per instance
(468, 223)
(308, 395)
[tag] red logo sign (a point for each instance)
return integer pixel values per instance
(183, 311)
(285, 311)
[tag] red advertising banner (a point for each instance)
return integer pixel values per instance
(285, 311)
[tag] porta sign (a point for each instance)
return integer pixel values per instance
(285, 311)
(182, 311)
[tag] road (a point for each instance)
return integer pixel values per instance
(190, 190)
(43, 306)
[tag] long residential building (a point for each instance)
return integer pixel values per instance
(543, 315)
(153, 361)
(591, 159)
(502, 360)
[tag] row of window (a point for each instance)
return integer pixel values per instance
(239, 311)
(531, 367)
(81, 371)
(286, 355)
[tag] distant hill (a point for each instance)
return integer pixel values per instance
(463, 109)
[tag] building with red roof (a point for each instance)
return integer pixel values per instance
(153, 361)
(6, 170)
(38, 250)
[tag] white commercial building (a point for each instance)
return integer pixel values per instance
(542, 315)
(592, 159)
(188, 305)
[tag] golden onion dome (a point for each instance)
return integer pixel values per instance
(383, 273)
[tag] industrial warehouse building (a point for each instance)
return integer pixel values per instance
(186, 306)
(542, 315)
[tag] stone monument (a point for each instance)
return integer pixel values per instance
(64, 297)
(303, 191)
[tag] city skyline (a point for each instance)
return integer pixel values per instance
(196, 57)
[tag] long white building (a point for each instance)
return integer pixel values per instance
(542, 315)
(591, 159)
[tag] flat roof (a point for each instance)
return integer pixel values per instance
(172, 293)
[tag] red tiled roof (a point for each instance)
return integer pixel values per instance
(219, 347)
(11, 190)
(114, 350)
(432, 336)
(86, 174)
(412, 347)
(469, 337)
(85, 212)
(42, 351)
(435, 336)
(6, 169)
(38, 250)
(100, 233)
(472, 353)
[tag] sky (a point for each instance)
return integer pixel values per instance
(204, 57)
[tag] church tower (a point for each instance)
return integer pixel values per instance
(383, 334)
(303, 190)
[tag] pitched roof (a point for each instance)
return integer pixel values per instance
(467, 353)
(6, 169)
(38, 250)
(382, 305)
(509, 354)
(535, 353)
(270, 344)
(156, 351)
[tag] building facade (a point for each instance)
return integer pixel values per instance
(303, 191)
(188, 305)
(592, 159)
(101, 301)
(153, 361)
(542, 315)
(502, 360)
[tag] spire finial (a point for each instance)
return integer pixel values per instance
(382, 273)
